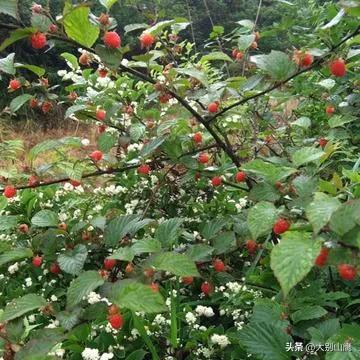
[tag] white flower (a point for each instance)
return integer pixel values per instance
(106, 356)
(31, 319)
(68, 187)
(221, 340)
(204, 310)
(85, 142)
(12, 269)
(60, 352)
(90, 354)
(28, 282)
(53, 298)
(63, 217)
(190, 318)
(93, 298)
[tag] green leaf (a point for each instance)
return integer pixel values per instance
(15, 255)
(177, 264)
(38, 70)
(106, 141)
(159, 27)
(293, 258)
(134, 27)
(319, 211)
(19, 101)
(8, 222)
(74, 109)
(306, 155)
(270, 172)
(137, 297)
(200, 252)
(261, 219)
(195, 73)
(266, 341)
(245, 41)
(68, 319)
(136, 131)
(72, 261)
(45, 218)
(20, 306)
(308, 313)
(79, 28)
(224, 242)
(7, 64)
(334, 21)
(41, 22)
(215, 56)
(111, 57)
(137, 355)
(346, 217)
(151, 146)
(108, 3)
(16, 35)
(169, 231)
(303, 122)
(9, 7)
(71, 59)
(340, 120)
(277, 64)
(40, 344)
(264, 191)
(210, 229)
(123, 254)
(146, 246)
(82, 286)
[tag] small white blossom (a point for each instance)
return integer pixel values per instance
(90, 354)
(221, 340)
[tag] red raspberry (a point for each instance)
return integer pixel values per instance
(146, 40)
(9, 191)
(38, 40)
(109, 264)
(101, 129)
(75, 183)
(281, 226)
(347, 272)
(203, 158)
(187, 280)
(129, 268)
(62, 226)
(154, 287)
(55, 268)
(216, 181)
(330, 109)
(240, 176)
(306, 60)
(24, 228)
(33, 103)
(33, 181)
(14, 84)
(251, 246)
(322, 258)
(213, 107)
(143, 169)
(219, 265)
(206, 288)
(113, 310)
(322, 142)
(239, 56)
(96, 155)
(197, 138)
(116, 321)
(234, 53)
(338, 68)
(46, 107)
(102, 73)
(100, 114)
(37, 260)
(53, 28)
(84, 59)
(112, 40)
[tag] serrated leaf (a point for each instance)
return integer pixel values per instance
(195, 73)
(134, 27)
(137, 131)
(45, 218)
(146, 246)
(79, 28)
(263, 191)
(123, 254)
(168, 231)
(8, 222)
(305, 155)
(160, 26)
(340, 120)
(106, 141)
(308, 313)
(82, 286)
(293, 258)
(151, 146)
(16, 35)
(38, 70)
(216, 56)
(137, 355)
(177, 264)
(303, 122)
(345, 217)
(72, 261)
(111, 57)
(200, 252)
(68, 319)
(334, 21)
(261, 219)
(137, 297)
(15, 255)
(210, 229)
(108, 3)
(245, 41)
(224, 242)
(40, 22)
(9, 7)
(19, 101)
(20, 306)
(7, 64)
(71, 60)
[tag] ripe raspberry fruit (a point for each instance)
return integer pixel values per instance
(251, 246)
(53, 28)
(306, 59)
(113, 309)
(187, 280)
(102, 73)
(219, 265)
(33, 181)
(347, 272)
(62, 226)
(234, 53)
(146, 40)
(55, 268)
(100, 114)
(37, 260)
(33, 103)
(75, 183)
(197, 138)
(213, 107)
(143, 169)
(216, 181)
(14, 84)
(322, 142)
(129, 268)
(239, 56)
(84, 59)
(330, 110)
(116, 321)
(101, 129)
(109, 264)
(338, 68)
(154, 287)
(322, 258)
(38, 40)
(240, 176)
(9, 191)
(96, 155)
(203, 158)
(206, 288)
(281, 226)
(46, 107)
(112, 40)
(24, 228)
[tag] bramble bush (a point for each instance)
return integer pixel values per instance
(216, 217)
